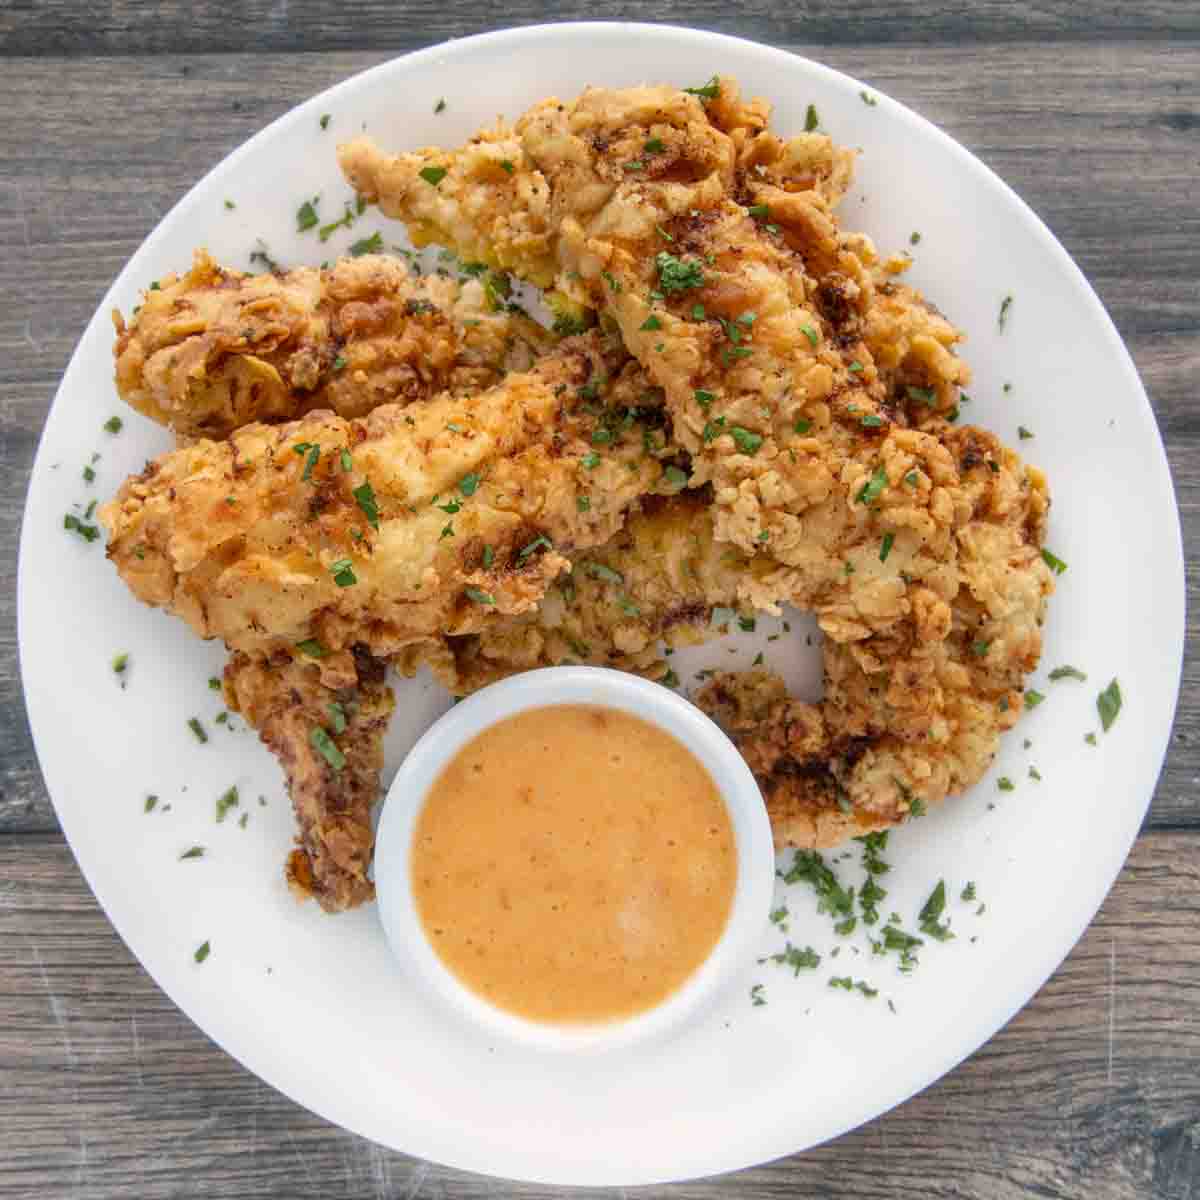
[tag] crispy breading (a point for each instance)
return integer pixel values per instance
(390, 528)
(332, 790)
(213, 350)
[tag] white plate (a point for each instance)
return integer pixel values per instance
(314, 1004)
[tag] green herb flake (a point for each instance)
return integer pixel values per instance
(194, 852)
(324, 121)
(869, 100)
(364, 496)
(676, 275)
(202, 952)
(1108, 704)
(747, 441)
(479, 596)
(120, 664)
(873, 488)
(1035, 774)
(432, 175)
(757, 999)
(654, 146)
(1055, 563)
(650, 324)
(324, 745)
(1090, 738)
(337, 717)
(929, 918)
(306, 215)
(760, 212)
(806, 959)
(1005, 784)
(440, 106)
(1033, 698)
(113, 425)
(150, 803)
(225, 802)
(676, 479)
(601, 571)
(810, 333)
(1068, 672)
(1005, 308)
(367, 245)
(710, 91)
(489, 556)
(198, 730)
(802, 425)
(343, 572)
(1023, 433)
(885, 547)
(539, 542)
(591, 460)
(311, 648)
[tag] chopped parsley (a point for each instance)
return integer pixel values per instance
(1068, 672)
(650, 324)
(324, 120)
(347, 461)
(198, 729)
(440, 106)
(1108, 704)
(364, 494)
(703, 398)
(885, 547)
(811, 119)
(89, 475)
(591, 460)
(654, 146)
(675, 275)
(1023, 433)
(1055, 563)
(873, 488)
(710, 91)
(367, 245)
(747, 442)
(324, 745)
(760, 212)
(506, 165)
(1033, 698)
(306, 215)
(489, 556)
(914, 238)
(113, 425)
(869, 100)
(479, 596)
(676, 479)
(540, 541)
(698, 312)
(613, 283)
(337, 717)
(810, 333)
(929, 917)
(432, 175)
(150, 803)
(1090, 738)
(799, 960)
(968, 894)
(802, 425)
(583, 503)
(1005, 784)
(343, 572)
(202, 952)
(225, 802)
(311, 648)
(1005, 307)
(871, 421)
(312, 456)
(757, 999)
(194, 852)
(809, 867)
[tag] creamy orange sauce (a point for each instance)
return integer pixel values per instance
(574, 864)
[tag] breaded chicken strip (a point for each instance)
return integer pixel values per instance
(388, 529)
(658, 580)
(330, 743)
(213, 350)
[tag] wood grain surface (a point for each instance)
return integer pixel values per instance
(1091, 111)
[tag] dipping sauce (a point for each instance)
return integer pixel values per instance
(574, 864)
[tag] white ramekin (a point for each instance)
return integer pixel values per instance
(576, 685)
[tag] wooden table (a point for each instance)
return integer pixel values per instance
(111, 110)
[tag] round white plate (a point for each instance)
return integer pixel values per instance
(314, 1004)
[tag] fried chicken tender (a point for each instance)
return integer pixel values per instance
(330, 743)
(213, 350)
(391, 528)
(816, 397)
(657, 581)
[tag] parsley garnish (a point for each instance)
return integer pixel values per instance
(480, 597)
(873, 488)
(811, 120)
(225, 802)
(337, 716)
(675, 275)
(194, 852)
(113, 425)
(747, 442)
(1033, 698)
(676, 478)
(367, 245)
(810, 333)
(311, 647)
(756, 996)
(1023, 433)
(1055, 563)
(198, 729)
(654, 146)
(120, 663)
(150, 803)
(968, 893)
(432, 175)
(343, 572)
(365, 495)
(306, 216)
(928, 919)
(799, 960)
(703, 398)
(324, 745)
(440, 106)
(506, 165)
(868, 99)
(1005, 784)
(885, 547)
(591, 460)
(1108, 704)
(760, 212)
(539, 541)
(1068, 672)
(324, 120)
(650, 324)
(201, 952)
(710, 91)
(809, 867)
(870, 421)
(1005, 305)
(600, 571)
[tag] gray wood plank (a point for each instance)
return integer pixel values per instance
(1120, 123)
(1093, 1090)
(168, 26)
